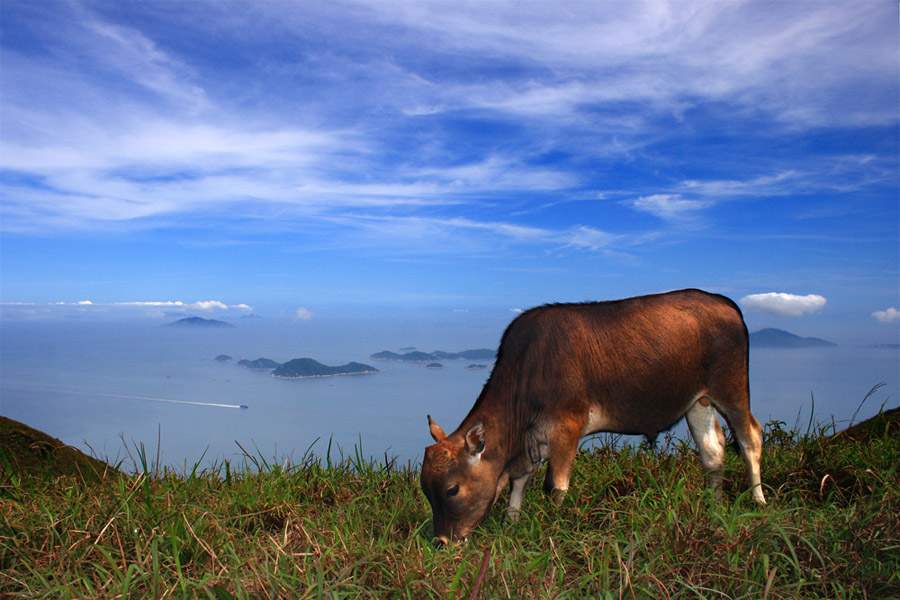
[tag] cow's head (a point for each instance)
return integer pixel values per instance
(460, 486)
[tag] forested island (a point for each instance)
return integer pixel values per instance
(260, 364)
(301, 368)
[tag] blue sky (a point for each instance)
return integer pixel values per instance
(221, 158)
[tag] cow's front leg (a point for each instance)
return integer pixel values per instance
(516, 495)
(560, 460)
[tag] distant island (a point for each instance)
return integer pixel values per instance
(301, 368)
(260, 364)
(477, 367)
(426, 357)
(434, 366)
(779, 338)
(197, 322)
(222, 358)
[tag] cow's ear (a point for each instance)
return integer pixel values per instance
(436, 432)
(475, 439)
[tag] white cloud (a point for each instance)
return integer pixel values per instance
(784, 305)
(208, 305)
(887, 316)
(303, 314)
(205, 305)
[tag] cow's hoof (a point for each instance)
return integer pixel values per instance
(558, 495)
(512, 514)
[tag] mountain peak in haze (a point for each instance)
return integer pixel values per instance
(200, 323)
(779, 338)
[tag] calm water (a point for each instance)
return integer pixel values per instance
(107, 389)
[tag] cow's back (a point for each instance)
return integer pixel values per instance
(638, 363)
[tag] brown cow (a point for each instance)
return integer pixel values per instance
(634, 366)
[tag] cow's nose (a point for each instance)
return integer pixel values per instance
(441, 541)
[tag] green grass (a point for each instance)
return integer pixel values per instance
(637, 523)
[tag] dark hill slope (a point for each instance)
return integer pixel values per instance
(29, 452)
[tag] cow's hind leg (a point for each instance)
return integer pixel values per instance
(748, 433)
(710, 440)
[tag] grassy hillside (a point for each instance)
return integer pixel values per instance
(25, 451)
(636, 524)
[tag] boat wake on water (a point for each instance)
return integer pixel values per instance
(50, 390)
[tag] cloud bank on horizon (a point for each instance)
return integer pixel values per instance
(499, 153)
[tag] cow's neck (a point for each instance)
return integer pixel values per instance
(506, 428)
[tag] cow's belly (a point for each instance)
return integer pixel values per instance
(637, 421)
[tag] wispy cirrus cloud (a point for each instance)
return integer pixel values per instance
(547, 134)
(670, 207)
(178, 143)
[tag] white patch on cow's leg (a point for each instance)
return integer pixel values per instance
(708, 435)
(515, 497)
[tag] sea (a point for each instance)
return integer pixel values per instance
(134, 393)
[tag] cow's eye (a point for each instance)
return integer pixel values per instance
(452, 491)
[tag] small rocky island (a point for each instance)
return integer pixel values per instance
(301, 368)
(434, 365)
(260, 364)
(222, 358)
(429, 357)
